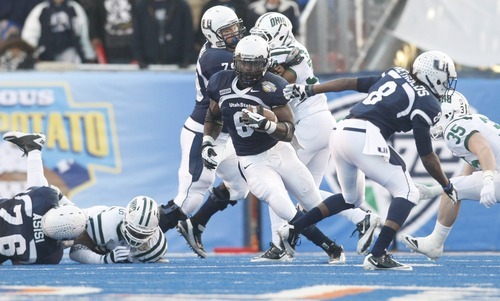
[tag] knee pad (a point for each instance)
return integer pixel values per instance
(170, 215)
(220, 196)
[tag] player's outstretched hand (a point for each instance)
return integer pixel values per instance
(298, 92)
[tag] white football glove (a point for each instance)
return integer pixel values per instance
(488, 198)
(297, 92)
(120, 254)
(256, 121)
(451, 192)
(429, 192)
(208, 152)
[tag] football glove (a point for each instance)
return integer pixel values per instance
(255, 121)
(120, 254)
(451, 192)
(298, 92)
(427, 192)
(488, 198)
(293, 58)
(208, 152)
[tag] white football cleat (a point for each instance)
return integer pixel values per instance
(424, 246)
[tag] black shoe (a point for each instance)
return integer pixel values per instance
(384, 262)
(170, 215)
(289, 238)
(193, 236)
(26, 141)
(336, 254)
(273, 254)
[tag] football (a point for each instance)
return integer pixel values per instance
(269, 114)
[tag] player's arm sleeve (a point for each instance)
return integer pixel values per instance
(83, 254)
(364, 83)
(84, 250)
(422, 141)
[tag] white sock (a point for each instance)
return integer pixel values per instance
(440, 233)
(276, 223)
(35, 169)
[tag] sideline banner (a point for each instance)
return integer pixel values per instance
(114, 135)
(110, 136)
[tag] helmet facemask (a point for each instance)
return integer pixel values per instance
(453, 105)
(251, 60)
(135, 236)
(141, 221)
(250, 70)
(222, 28)
(230, 35)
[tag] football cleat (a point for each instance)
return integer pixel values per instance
(289, 238)
(193, 236)
(274, 253)
(336, 254)
(366, 228)
(25, 141)
(423, 245)
(384, 262)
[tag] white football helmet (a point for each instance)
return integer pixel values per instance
(216, 20)
(64, 222)
(275, 28)
(436, 70)
(140, 221)
(251, 59)
(453, 105)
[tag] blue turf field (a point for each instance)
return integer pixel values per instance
(460, 276)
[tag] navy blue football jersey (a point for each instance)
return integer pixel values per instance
(267, 92)
(397, 103)
(210, 61)
(21, 237)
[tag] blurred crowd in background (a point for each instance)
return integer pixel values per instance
(142, 32)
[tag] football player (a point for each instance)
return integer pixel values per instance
(270, 166)
(291, 60)
(223, 30)
(120, 235)
(191, 229)
(396, 101)
(476, 139)
(36, 225)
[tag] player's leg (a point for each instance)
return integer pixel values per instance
(300, 184)
(266, 184)
(31, 144)
(315, 154)
(232, 189)
(275, 252)
(359, 143)
(432, 246)
(194, 181)
(394, 177)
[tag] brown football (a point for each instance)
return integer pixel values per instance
(269, 114)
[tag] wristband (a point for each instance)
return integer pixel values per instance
(309, 90)
(488, 173)
(208, 140)
(272, 127)
(448, 187)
